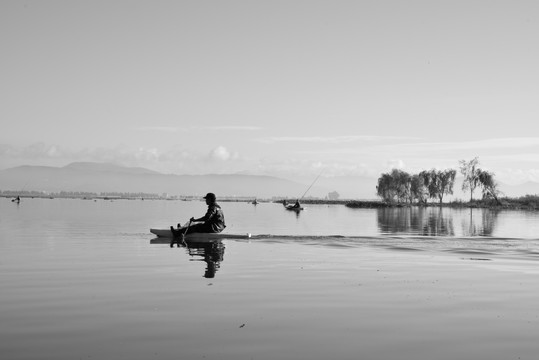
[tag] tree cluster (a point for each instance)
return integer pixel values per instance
(399, 186)
(402, 187)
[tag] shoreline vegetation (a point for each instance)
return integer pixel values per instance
(526, 202)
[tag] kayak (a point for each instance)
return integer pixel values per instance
(166, 233)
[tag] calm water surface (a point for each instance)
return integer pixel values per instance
(81, 280)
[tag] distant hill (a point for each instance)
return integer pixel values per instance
(527, 188)
(107, 167)
(97, 177)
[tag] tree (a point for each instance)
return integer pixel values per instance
(394, 186)
(402, 182)
(438, 183)
(488, 185)
(417, 189)
(429, 181)
(471, 175)
(385, 188)
(446, 180)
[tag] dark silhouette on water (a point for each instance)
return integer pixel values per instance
(212, 222)
(297, 206)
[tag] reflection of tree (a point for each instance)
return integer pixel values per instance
(398, 220)
(415, 220)
(212, 252)
(436, 224)
(482, 225)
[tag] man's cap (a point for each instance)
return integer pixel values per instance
(210, 196)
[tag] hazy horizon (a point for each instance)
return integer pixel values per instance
(99, 177)
(280, 88)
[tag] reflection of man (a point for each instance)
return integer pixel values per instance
(212, 253)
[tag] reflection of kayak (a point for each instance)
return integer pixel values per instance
(190, 239)
(166, 233)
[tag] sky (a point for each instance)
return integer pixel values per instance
(282, 88)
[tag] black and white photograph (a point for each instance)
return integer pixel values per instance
(269, 179)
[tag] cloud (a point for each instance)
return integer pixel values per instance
(327, 139)
(503, 143)
(517, 176)
(378, 146)
(395, 164)
(368, 159)
(34, 151)
(157, 128)
(44, 152)
(230, 128)
(487, 144)
(221, 153)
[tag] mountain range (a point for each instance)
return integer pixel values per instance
(105, 177)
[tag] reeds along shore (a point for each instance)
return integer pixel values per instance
(527, 202)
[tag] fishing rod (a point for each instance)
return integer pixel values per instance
(309, 188)
(24, 187)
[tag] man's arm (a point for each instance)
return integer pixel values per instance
(209, 214)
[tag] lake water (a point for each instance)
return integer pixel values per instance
(80, 279)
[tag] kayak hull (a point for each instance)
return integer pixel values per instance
(166, 233)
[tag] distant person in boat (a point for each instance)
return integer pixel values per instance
(212, 222)
(290, 206)
(296, 206)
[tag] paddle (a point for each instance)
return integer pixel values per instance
(174, 234)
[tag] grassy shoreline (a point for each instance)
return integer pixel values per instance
(527, 202)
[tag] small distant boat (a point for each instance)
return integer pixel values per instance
(297, 207)
(293, 207)
(16, 200)
(255, 202)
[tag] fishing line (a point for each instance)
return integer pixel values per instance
(305, 193)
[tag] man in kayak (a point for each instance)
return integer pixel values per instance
(212, 222)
